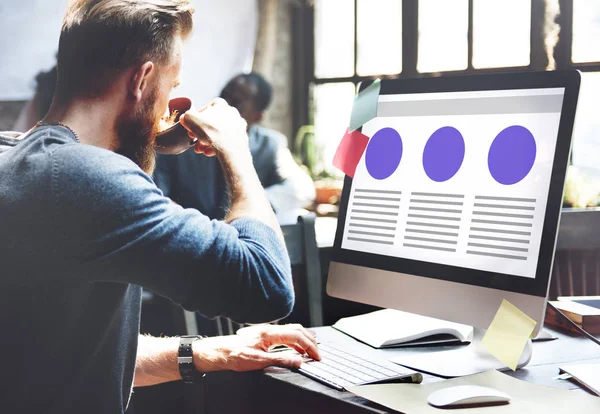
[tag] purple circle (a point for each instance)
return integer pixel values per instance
(384, 153)
(444, 154)
(512, 155)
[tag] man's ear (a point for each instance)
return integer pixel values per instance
(139, 80)
(259, 117)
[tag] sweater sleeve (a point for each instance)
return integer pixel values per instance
(117, 226)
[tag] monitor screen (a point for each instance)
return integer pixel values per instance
(457, 178)
(462, 180)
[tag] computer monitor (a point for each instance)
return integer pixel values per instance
(456, 201)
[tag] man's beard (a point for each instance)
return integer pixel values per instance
(137, 135)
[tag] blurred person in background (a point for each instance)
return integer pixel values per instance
(195, 182)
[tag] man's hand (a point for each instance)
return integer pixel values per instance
(249, 349)
(218, 127)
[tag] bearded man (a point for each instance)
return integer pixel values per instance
(84, 228)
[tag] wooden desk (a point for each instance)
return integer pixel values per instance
(278, 390)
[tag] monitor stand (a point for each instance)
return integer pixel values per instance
(460, 361)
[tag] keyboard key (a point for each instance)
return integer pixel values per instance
(340, 368)
(325, 366)
(316, 369)
(355, 374)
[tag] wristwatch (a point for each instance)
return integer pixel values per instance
(185, 359)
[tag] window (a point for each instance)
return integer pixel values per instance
(334, 38)
(333, 104)
(586, 31)
(379, 37)
(443, 35)
(364, 39)
(501, 33)
(585, 56)
(354, 39)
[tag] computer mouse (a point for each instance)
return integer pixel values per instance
(466, 395)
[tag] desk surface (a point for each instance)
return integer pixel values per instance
(278, 390)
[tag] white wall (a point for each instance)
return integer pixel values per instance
(221, 46)
(28, 43)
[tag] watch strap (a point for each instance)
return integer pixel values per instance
(185, 359)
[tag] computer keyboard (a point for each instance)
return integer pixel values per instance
(341, 367)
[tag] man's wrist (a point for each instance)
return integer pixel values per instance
(239, 173)
(236, 161)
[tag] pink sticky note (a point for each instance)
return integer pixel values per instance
(350, 151)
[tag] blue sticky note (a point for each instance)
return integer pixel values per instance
(365, 105)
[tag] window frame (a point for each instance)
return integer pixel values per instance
(304, 51)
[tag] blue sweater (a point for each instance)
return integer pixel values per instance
(82, 230)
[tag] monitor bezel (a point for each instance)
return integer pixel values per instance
(570, 80)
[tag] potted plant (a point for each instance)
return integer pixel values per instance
(328, 181)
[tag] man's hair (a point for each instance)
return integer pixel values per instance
(100, 38)
(263, 91)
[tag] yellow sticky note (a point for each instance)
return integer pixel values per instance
(508, 333)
